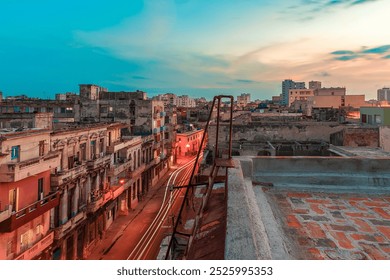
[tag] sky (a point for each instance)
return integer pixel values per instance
(194, 47)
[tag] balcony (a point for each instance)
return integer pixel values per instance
(62, 230)
(118, 145)
(62, 177)
(13, 172)
(39, 247)
(146, 139)
(29, 213)
(135, 172)
(98, 199)
(99, 162)
(119, 167)
(6, 213)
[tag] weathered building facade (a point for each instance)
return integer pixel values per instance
(26, 198)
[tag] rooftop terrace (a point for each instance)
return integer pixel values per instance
(308, 208)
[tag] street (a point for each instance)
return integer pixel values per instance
(142, 236)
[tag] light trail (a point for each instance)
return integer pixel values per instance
(143, 246)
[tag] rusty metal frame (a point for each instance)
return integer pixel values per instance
(217, 163)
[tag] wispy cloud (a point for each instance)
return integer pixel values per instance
(342, 52)
(346, 57)
(140, 78)
(378, 50)
(245, 81)
(365, 53)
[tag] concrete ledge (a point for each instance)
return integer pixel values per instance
(246, 238)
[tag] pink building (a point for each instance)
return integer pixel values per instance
(188, 143)
(26, 199)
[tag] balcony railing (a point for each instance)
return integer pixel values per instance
(99, 161)
(6, 213)
(119, 168)
(98, 199)
(13, 172)
(60, 231)
(135, 172)
(118, 145)
(27, 214)
(39, 247)
(62, 177)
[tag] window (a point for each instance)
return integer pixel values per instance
(40, 188)
(39, 230)
(378, 119)
(16, 109)
(25, 240)
(93, 148)
(83, 148)
(41, 148)
(364, 118)
(15, 152)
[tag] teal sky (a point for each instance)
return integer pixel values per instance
(195, 47)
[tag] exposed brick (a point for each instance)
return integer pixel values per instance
(362, 225)
(380, 222)
(382, 212)
(301, 211)
(315, 230)
(315, 253)
(321, 201)
(324, 242)
(332, 254)
(342, 239)
(335, 207)
(357, 198)
(298, 194)
(379, 238)
(343, 228)
(366, 237)
(376, 204)
(296, 201)
(292, 221)
(316, 208)
(385, 247)
(373, 252)
(385, 231)
(315, 218)
(357, 205)
(359, 215)
(304, 241)
(337, 214)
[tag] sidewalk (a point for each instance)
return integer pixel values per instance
(115, 231)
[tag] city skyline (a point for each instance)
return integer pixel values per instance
(193, 47)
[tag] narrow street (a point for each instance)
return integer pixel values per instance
(139, 234)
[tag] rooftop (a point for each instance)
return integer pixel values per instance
(310, 212)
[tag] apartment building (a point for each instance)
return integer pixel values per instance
(64, 110)
(189, 142)
(243, 99)
(299, 94)
(143, 116)
(383, 94)
(286, 86)
(26, 197)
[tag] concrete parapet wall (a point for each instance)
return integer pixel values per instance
(246, 238)
(324, 173)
